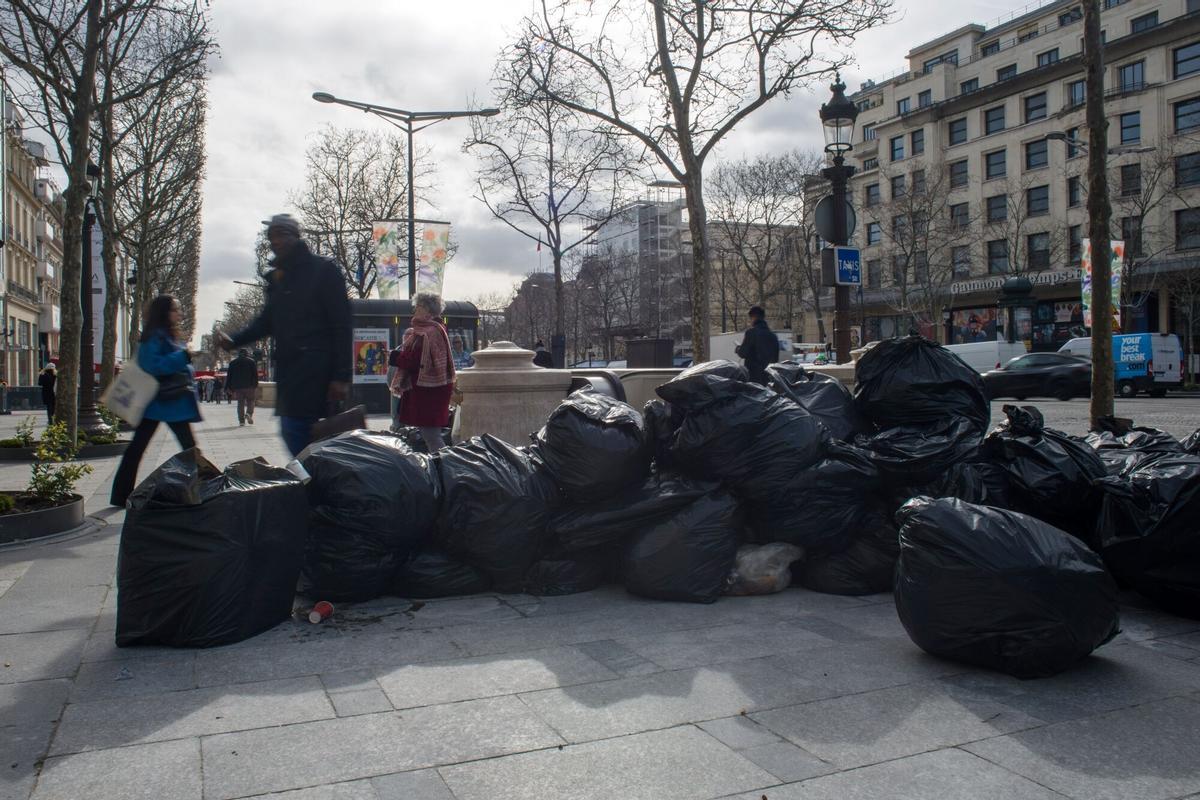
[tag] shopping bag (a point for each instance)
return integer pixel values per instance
(130, 392)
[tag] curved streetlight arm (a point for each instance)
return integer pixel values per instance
(400, 113)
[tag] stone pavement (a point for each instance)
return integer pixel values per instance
(597, 695)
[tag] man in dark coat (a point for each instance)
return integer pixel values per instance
(308, 314)
(541, 356)
(47, 380)
(759, 346)
(242, 379)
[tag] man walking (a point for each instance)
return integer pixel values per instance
(759, 346)
(308, 314)
(242, 379)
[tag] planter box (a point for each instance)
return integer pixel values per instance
(88, 451)
(45, 522)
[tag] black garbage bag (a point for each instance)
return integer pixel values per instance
(1123, 446)
(701, 384)
(821, 507)
(867, 566)
(762, 569)
(416, 442)
(209, 557)
(559, 572)
(1148, 530)
(1192, 443)
(1050, 473)
(612, 522)
(690, 555)
(374, 502)
(973, 481)
(915, 382)
(497, 499)
(823, 396)
(921, 453)
(432, 573)
(594, 446)
(662, 423)
(1000, 589)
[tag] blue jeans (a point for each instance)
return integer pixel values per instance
(296, 432)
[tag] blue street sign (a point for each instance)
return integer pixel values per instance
(849, 266)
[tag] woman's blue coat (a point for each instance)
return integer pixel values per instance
(161, 355)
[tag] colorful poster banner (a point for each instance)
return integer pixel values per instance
(371, 355)
(388, 236)
(1118, 268)
(431, 268)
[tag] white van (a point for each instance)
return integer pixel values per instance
(984, 356)
(1145, 362)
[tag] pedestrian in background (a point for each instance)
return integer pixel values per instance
(47, 381)
(162, 354)
(307, 312)
(241, 376)
(541, 356)
(759, 346)
(427, 364)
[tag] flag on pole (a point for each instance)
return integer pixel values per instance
(431, 268)
(1089, 292)
(387, 235)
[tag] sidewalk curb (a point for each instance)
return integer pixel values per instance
(91, 524)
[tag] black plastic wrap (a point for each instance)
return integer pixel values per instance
(433, 573)
(823, 396)
(866, 566)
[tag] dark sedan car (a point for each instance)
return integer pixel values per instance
(1054, 375)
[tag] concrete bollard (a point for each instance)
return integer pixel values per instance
(506, 396)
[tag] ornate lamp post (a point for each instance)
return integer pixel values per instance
(837, 121)
(89, 420)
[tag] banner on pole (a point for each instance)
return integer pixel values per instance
(99, 292)
(431, 268)
(1117, 269)
(389, 278)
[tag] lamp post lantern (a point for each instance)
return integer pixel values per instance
(410, 122)
(837, 121)
(89, 419)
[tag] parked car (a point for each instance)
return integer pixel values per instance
(1056, 375)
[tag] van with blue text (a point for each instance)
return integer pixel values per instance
(1145, 362)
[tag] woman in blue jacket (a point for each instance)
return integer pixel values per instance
(163, 355)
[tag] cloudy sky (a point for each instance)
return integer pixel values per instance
(424, 55)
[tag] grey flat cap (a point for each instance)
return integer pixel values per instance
(285, 222)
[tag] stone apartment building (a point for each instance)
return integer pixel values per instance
(958, 186)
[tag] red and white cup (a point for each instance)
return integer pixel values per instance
(320, 612)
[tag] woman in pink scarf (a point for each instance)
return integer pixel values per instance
(425, 372)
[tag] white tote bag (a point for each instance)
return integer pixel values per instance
(130, 392)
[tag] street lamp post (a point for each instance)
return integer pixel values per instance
(89, 419)
(410, 122)
(837, 120)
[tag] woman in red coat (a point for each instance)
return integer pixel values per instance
(425, 372)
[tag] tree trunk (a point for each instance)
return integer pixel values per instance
(1099, 215)
(694, 196)
(560, 323)
(112, 296)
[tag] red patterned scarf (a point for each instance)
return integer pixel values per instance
(437, 364)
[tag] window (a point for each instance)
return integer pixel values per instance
(957, 130)
(870, 163)
(899, 226)
(960, 215)
(1187, 169)
(1192, 6)
(1072, 136)
(1070, 17)
(1037, 245)
(1187, 115)
(874, 233)
(960, 260)
(902, 106)
(947, 58)
(1074, 192)
(897, 145)
(993, 120)
(994, 165)
(898, 187)
(872, 196)
(1027, 34)
(925, 98)
(1131, 127)
(958, 174)
(1075, 243)
(1131, 179)
(1187, 229)
(997, 208)
(1186, 60)
(1037, 154)
(1037, 201)
(874, 271)
(997, 257)
(1035, 107)
(991, 48)
(1006, 73)
(1076, 93)
(868, 133)
(898, 270)
(1131, 234)
(1143, 23)
(918, 181)
(966, 87)
(1131, 77)
(918, 142)
(921, 266)
(1047, 58)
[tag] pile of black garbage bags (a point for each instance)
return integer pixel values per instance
(1004, 548)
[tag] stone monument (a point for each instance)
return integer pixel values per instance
(505, 395)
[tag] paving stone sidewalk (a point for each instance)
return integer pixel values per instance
(597, 695)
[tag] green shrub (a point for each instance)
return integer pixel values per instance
(110, 419)
(25, 432)
(103, 438)
(11, 443)
(52, 479)
(6, 503)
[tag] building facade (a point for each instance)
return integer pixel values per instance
(972, 168)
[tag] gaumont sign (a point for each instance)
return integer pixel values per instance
(993, 283)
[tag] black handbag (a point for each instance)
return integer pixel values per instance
(174, 386)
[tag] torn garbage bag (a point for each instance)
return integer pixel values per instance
(374, 502)
(433, 573)
(823, 396)
(496, 502)
(866, 566)
(594, 446)
(1000, 589)
(209, 557)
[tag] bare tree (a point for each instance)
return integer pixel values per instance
(1141, 191)
(677, 76)
(352, 179)
(1184, 286)
(493, 324)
